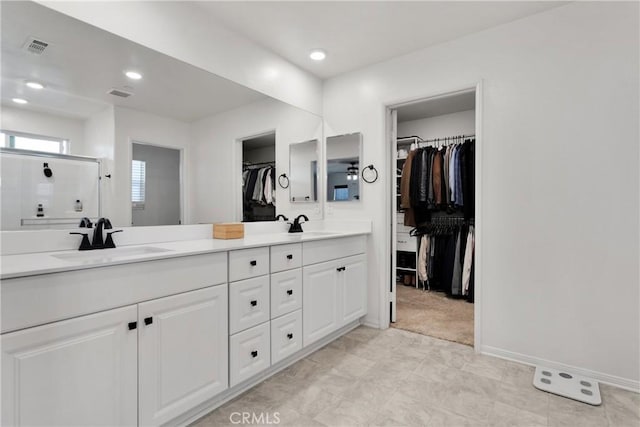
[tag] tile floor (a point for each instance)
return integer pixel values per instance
(397, 378)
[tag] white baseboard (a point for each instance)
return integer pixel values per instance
(613, 380)
(370, 324)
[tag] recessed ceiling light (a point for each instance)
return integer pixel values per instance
(20, 101)
(133, 75)
(318, 54)
(35, 85)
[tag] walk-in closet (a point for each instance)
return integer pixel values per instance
(258, 178)
(435, 217)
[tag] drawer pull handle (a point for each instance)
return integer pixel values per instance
(148, 320)
(253, 263)
(289, 291)
(254, 353)
(289, 256)
(132, 325)
(290, 336)
(254, 303)
(341, 268)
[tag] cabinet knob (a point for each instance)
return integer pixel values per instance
(253, 263)
(148, 320)
(132, 325)
(289, 291)
(254, 303)
(290, 256)
(290, 336)
(254, 353)
(341, 268)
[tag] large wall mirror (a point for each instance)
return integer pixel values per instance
(303, 167)
(131, 134)
(343, 167)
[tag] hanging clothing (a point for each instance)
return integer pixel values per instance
(468, 260)
(423, 258)
(405, 186)
(258, 185)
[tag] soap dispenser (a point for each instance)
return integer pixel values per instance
(40, 212)
(78, 206)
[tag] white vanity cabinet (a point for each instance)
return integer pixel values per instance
(334, 291)
(76, 372)
(144, 363)
(182, 351)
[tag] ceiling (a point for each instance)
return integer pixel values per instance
(356, 34)
(83, 62)
(437, 106)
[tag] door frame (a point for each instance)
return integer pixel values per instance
(388, 292)
(182, 198)
(237, 175)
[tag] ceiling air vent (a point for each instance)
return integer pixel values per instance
(120, 92)
(35, 45)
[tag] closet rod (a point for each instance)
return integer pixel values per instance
(259, 164)
(447, 138)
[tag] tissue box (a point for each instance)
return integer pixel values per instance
(228, 230)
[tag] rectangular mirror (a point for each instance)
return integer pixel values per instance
(303, 171)
(343, 167)
(172, 140)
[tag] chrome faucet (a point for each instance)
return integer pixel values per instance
(296, 226)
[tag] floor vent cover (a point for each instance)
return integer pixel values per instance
(562, 383)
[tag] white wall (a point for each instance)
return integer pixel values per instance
(559, 179)
(459, 123)
(163, 29)
(45, 124)
(216, 154)
(133, 125)
(99, 137)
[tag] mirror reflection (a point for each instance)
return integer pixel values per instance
(303, 171)
(161, 142)
(343, 168)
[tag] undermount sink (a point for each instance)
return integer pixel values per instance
(105, 255)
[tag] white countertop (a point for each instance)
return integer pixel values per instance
(30, 264)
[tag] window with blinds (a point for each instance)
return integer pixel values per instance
(138, 177)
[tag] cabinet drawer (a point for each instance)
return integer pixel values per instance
(249, 353)
(247, 263)
(405, 242)
(286, 335)
(286, 257)
(325, 250)
(286, 292)
(248, 303)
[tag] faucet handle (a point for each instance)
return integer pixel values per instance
(107, 224)
(109, 243)
(85, 245)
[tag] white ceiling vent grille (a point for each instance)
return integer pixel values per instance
(35, 45)
(120, 92)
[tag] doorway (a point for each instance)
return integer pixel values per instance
(433, 216)
(155, 185)
(258, 178)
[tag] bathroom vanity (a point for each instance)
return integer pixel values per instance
(163, 333)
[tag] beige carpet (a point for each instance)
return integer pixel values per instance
(433, 314)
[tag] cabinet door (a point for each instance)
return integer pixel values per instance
(353, 289)
(183, 348)
(319, 301)
(75, 372)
